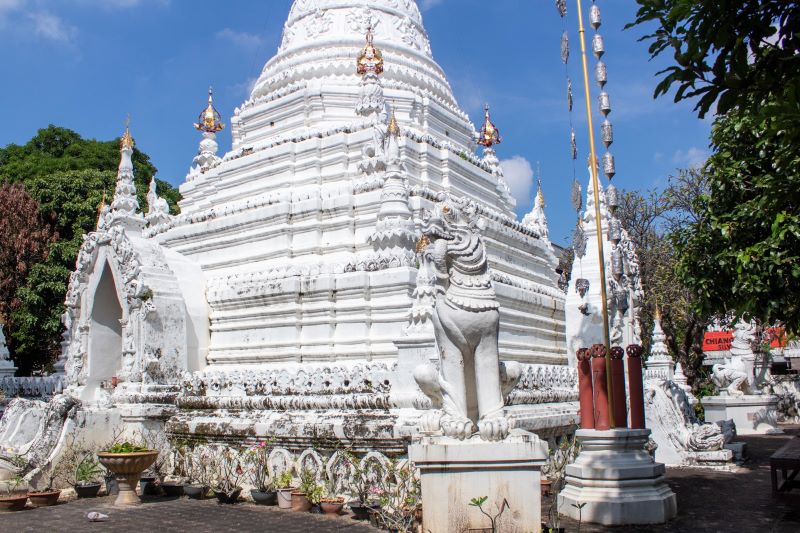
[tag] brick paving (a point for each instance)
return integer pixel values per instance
(709, 501)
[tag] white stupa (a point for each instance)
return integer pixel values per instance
(279, 302)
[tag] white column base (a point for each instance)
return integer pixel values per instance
(753, 414)
(453, 472)
(617, 480)
(7, 369)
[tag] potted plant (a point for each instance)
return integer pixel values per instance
(285, 486)
(158, 471)
(87, 475)
(194, 465)
(308, 487)
(228, 471)
(127, 461)
(363, 478)
(47, 496)
(398, 493)
(78, 468)
(263, 492)
(330, 503)
(555, 470)
(14, 499)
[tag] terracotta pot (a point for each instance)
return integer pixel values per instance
(12, 503)
(228, 497)
(128, 468)
(44, 499)
(172, 490)
(332, 506)
(285, 498)
(195, 492)
(547, 487)
(88, 490)
(269, 497)
(300, 503)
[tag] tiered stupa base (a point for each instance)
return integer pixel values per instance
(617, 480)
(753, 414)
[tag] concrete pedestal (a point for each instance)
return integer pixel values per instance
(454, 472)
(753, 414)
(7, 369)
(617, 480)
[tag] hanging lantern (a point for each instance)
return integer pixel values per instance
(598, 46)
(594, 17)
(607, 133)
(615, 231)
(604, 102)
(609, 167)
(612, 197)
(565, 47)
(601, 74)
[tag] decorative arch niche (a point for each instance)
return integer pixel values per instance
(106, 335)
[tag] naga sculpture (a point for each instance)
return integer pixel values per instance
(469, 387)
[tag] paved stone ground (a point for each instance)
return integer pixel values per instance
(708, 502)
(722, 502)
(175, 515)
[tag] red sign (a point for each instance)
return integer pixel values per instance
(720, 341)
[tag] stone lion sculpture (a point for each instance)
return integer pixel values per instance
(470, 385)
(732, 380)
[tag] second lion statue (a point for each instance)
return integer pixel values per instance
(468, 388)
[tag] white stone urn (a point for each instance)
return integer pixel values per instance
(128, 468)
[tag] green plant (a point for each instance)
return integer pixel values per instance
(308, 481)
(127, 447)
(364, 476)
(13, 484)
(87, 471)
(579, 506)
(398, 493)
(226, 468)
(257, 459)
(560, 456)
(479, 502)
(284, 480)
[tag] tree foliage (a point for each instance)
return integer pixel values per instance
(68, 177)
(742, 252)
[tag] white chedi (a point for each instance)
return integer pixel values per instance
(7, 367)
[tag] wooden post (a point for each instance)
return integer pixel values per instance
(585, 388)
(635, 386)
(599, 384)
(618, 391)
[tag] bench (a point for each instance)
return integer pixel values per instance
(787, 460)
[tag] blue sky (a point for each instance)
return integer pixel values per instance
(86, 64)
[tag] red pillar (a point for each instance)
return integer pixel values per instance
(585, 388)
(598, 353)
(635, 387)
(618, 387)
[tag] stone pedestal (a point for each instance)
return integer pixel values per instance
(7, 369)
(617, 480)
(454, 472)
(753, 414)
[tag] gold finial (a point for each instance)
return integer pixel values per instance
(393, 128)
(210, 121)
(539, 193)
(126, 142)
(489, 134)
(658, 313)
(370, 59)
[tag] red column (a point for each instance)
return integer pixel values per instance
(585, 388)
(598, 353)
(635, 387)
(618, 387)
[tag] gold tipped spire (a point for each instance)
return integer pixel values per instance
(489, 134)
(393, 128)
(370, 59)
(210, 121)
(127, 142)
(658, 313)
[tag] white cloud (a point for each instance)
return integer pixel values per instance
(693, 157)
(240, 38)
(427, 4)
(51, 27)
(519, 176)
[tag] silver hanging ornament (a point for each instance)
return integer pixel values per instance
(582, 286)
(614, 230)
(561, 5)
(604, 102)
(609, 166)
(598, 46)
(574, 143)
(577, 195)
(616, 261)
(594, 17)
(601, 74)
(565, 47)
(569, 94)
(612, 197)
(579, 241)
(607, 133)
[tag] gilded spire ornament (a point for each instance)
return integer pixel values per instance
(489, 134)
(393, 128)
(210, 121)
(126, 142)
(370, 59)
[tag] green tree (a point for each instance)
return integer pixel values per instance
(68, 176)
(741, 58)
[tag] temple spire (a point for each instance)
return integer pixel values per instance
(209, 123)
(536, 219)
(124, 206)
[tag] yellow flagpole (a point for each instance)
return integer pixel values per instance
(598, 221)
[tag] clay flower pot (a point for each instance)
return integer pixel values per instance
(269, 497)
(332, 506)
(88, 490)
(13, 502)
(300, 503)
(285, 498)
(128, 468)
(195, 492)
(44, 499)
